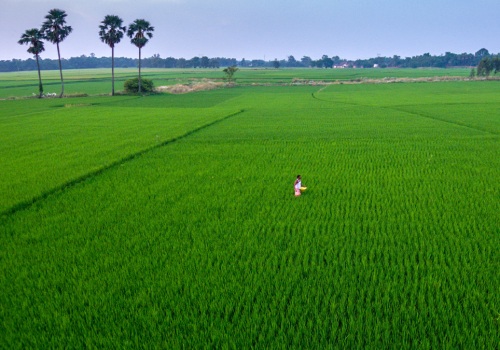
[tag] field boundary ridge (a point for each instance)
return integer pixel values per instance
(456, 123)
(389, 80)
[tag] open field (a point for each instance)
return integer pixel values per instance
(50, 143)
(98, 81)
(169, 221)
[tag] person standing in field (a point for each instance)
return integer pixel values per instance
(298, 186)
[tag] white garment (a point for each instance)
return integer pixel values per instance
(298, 185)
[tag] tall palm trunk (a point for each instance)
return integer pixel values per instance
(40, 87)
(113, 70)
(60, 71)
(140, 70)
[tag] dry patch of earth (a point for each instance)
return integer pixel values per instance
(191, 87)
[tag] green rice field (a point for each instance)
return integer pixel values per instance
(98, 81)
(170, 221)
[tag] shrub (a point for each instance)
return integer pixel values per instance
(132, 85)
(472, 74)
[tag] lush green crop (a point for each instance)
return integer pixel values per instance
(98, 81)
(200, 242)
(52, 143)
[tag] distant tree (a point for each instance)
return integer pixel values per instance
(482, 53)
(395, 61)
(195, 62)
(258, 63)
(33, 37)
(229, 71)
(111, 33)
(139, 31)
(155, 61)
(485, 67)
(465, 59)
(306, 61)
(181, 63)
(204, 62)
(214, 63)
(55, 30)
(170, 62)
(315, 63)
(496, 64)
(276, 63)
(291, 61)
(327, 61)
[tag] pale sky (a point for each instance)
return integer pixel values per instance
(265, 29)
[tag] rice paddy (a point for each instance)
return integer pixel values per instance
(170, 221)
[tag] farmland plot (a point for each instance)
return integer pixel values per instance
(98, 81)
(49, 144)
(201, 243)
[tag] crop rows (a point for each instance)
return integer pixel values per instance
(46, 149)
(201, 243)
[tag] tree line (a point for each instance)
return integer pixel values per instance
(82, 62)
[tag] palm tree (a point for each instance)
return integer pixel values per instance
(111, 32)
(55, 31)
(139, 31)
(34, 37)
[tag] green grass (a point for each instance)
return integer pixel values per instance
(200, 242)
(51, 143)
(98, 81)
